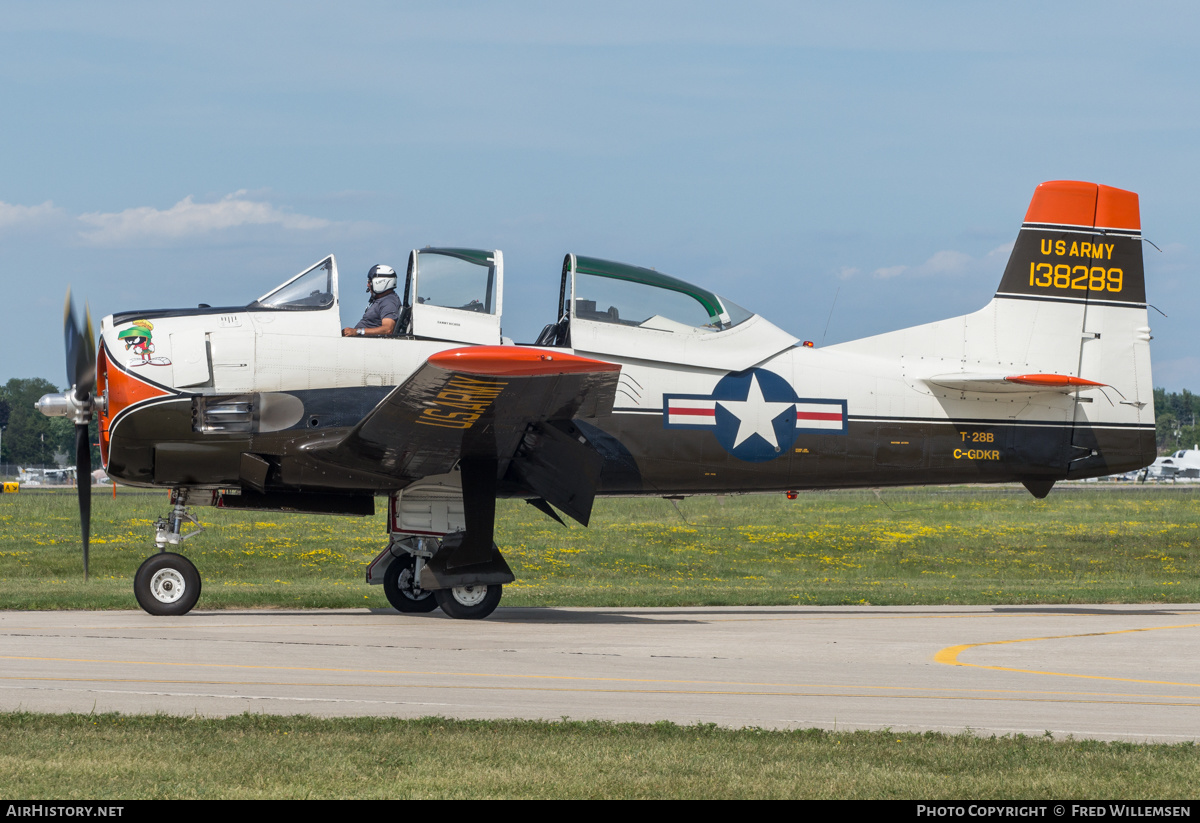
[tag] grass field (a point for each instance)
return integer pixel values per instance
(251, 756)
(1093, 543)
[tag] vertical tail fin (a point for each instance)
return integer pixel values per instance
(1077, 266)
(1063, 349)
(1080, 242)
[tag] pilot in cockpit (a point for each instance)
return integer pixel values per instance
(383, 312)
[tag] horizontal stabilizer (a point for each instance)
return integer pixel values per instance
(1024, 383)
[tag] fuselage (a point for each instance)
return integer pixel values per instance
(698, 409)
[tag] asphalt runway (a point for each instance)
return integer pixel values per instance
(1101, 672)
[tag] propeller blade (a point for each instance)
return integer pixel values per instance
(83, 483)
(80, 344)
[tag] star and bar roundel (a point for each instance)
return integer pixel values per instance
(755, 414)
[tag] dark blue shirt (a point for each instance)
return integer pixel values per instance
(380, 307)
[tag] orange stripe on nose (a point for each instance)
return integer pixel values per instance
(123, 390)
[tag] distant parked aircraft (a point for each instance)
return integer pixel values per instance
(1182, 465)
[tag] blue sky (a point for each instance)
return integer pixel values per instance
(783, 154)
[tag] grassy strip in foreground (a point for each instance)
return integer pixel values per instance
(255, 756)
(1094, 543)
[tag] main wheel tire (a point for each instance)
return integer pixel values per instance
(167, 583)
(399, 588)
(469, 602)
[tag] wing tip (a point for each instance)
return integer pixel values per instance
(516, 361)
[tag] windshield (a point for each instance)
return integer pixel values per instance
(312, 289)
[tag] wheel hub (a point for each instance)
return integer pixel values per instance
(409, 587)
(470, 595)
(167, 585)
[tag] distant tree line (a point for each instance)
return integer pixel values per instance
(28, 437)
(1177, 419)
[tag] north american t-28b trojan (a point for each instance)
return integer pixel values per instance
(641, 384)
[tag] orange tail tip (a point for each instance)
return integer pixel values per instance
(1072, 203)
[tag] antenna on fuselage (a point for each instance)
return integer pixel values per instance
(830, 317)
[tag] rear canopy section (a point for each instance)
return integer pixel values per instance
(617, 310)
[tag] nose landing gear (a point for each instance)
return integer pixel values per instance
(168, 583)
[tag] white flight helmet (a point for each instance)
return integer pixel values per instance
(381, 278)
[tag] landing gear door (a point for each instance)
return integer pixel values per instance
(455, 295)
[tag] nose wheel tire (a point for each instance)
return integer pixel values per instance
(399, 588)
(469, 602)
(167, 583)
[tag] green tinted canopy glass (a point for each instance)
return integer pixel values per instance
(649, 277)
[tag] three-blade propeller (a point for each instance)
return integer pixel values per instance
(80, 344)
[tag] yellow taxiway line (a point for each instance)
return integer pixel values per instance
(949, 656)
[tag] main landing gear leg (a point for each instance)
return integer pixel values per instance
(418, 579)
(466, 592)
(168, 583)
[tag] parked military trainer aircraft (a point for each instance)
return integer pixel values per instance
(641, 384)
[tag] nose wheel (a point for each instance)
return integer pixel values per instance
(167, 584)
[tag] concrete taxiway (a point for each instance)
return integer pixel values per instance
(1105, 672)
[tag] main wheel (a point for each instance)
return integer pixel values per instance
(402, 590)
(167, 583)
(469, 602)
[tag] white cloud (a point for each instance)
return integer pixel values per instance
(1002, 251)
(188, 219)
(946, 262)
(949, 263)
(14, 215)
